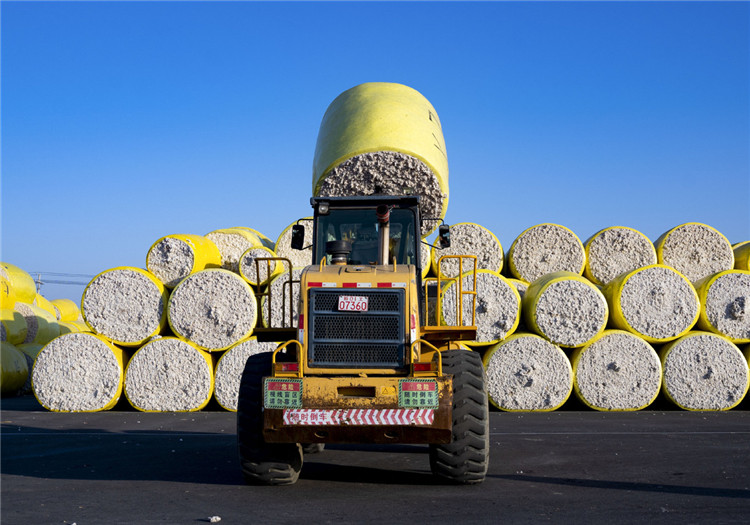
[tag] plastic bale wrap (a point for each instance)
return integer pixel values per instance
(468, 238)
(213, 309)
(565, 308)
(616, 371)
(232, 243)
(46, 305)
(526, 372)
(29, 351)
(13, 328)
(230, 367)
(741, 252)
(283, 246)
(169, 375)
(260, 273)
(127, 305)
(79, 372)
(616, 250)
(67, 310)
(498, 306)
(14, 369)
(22, 286)
(656, 303)
(174, 257)
(725, 305)
(383, 138)
(41, 326)
(704, 371)
(695, 250)
(545, 248)
(7, 297)
(264, 240)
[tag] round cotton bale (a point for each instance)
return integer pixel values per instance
(230, 367)
(425, 259)
(67, 310)
(704, 371)
(656, 303)
(527, 373)
(21, 284)
(565, 308)
(14, 369)
(283, 246)
(545, 248)
(232, 243)
(126, 305)
(29, 351)
(498, 306)
(41, 326)
(383, 138)
(7, 297)
(725, 305)
(521, 286)
(275, 313)
(616, 371)
(174, 257)
(213, 309)
(169, 375)
(13, 328)
(258, 274)
(615, 250)
(695, 250)
(79, 372)
(741, 252)
(46, 305)
(264, 240)
(468, 238)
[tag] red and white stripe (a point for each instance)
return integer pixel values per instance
(359, 416)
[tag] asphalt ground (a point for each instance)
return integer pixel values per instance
(582, 466)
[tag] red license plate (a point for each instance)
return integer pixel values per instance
(353, 303)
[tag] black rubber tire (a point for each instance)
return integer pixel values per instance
(262, 463)
(466, 458)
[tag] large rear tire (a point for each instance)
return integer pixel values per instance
(262, 463)
(466, 458)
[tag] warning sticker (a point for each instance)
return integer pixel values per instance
(418, 393)
(282, 393)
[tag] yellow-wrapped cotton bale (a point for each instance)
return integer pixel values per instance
(67, 310)
(22, 285)
(174, 257)
(545, 248)
(46, 305)
(29, 351)
(232, 243)
(725, 305)
(615, 250)
(14, 369)
(230, 367)
(695, 250)
(741, 252)
(41, 326)
(283, 246)
(468, 238)
(383, 138)
(258, 272)
(13, 326)
(265, 241)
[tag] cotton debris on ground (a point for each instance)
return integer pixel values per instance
(545, 248)
(230, 367)
(616, 250)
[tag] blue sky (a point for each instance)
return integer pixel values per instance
(123, 122)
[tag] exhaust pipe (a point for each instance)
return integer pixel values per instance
(383, 213)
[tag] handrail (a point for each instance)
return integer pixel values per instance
(259, 294)
(299, 370)
(439, 354)
(460, 292)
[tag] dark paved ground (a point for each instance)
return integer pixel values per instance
(561, 467)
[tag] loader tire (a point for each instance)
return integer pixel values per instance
(466, 458)
(262, 463)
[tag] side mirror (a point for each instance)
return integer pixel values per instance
(444, 236)
(298, 237)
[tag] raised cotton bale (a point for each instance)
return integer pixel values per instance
(383, 138)
(468, 238)
(67, 310)
(14, 369)
(127, 305)
(230, 367)
(565, 308)
(498, 306)
(741, 252)
(46, 305)
(232, 243)
(257, 272)
(278, 309)
(283, 246)
(526, 372)
(615, 250)
(174, 257)
(41, 326)
(616, 371)
(169, 375)
(695, 250)
(213, 309)
(725, 305)
(656, 303)
(79, 372)
(704, 371)
(13, 327)
(20, 285)
(545, 248)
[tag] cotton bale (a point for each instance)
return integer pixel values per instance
(21, 284)
(264, 240)
(525, 372)
(283, 246)
(79, 372)
(126, 305)
(278, 309)
(545, 248)
(498, 306)
(46, 305)
(261, 272)
(565, 308)
(67, 310)
(468, 238)
(169, 375)
(616, 371)
(13, 327)
(615, 250)
(232, 243)
(29, 351)
(174, 257)
(383, 138)
(704, 371)
(14, 369)
(41, 326)
(7, 297)
(741, 252)
(230, 367)
(725, 304)
(655, 302)
(695, 250)
(213, 309)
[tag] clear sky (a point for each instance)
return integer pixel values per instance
(123, 122)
